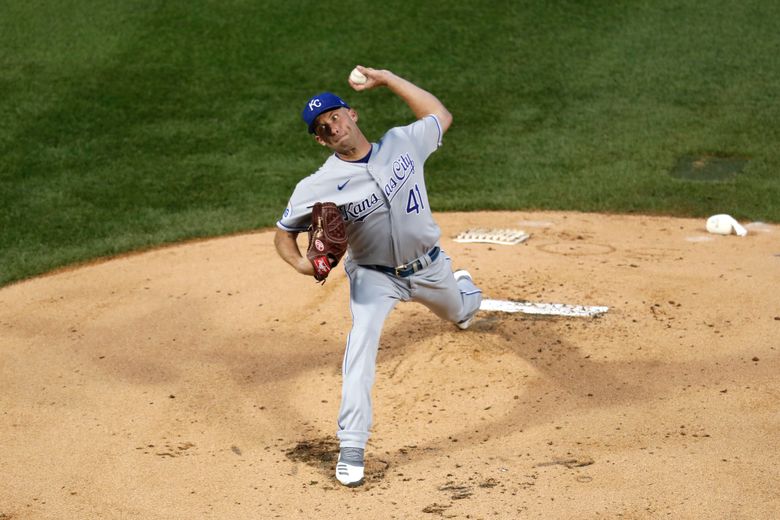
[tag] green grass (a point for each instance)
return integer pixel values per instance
(128, 124)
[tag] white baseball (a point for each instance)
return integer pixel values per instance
(357, 77)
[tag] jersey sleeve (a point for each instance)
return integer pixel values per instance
(426, 133)
(297, 214)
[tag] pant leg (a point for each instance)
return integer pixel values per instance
(372, 296)
(450, 299)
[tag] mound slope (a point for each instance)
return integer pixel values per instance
(189, 382)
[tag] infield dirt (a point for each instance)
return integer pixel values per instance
(203, 381)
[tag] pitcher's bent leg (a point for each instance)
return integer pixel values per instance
(450, 299)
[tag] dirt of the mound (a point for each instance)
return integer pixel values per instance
(203, 381)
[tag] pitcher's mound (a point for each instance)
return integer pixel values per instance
(203, 381)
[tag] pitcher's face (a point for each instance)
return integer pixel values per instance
(337, 129)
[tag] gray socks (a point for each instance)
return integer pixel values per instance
(353, 456)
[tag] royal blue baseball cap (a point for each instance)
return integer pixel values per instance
(319, 104)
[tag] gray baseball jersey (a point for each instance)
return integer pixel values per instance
(389, 223)
(384, 201)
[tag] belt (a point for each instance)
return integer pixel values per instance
(408, 269)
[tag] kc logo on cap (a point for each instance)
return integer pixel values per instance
(320, 104)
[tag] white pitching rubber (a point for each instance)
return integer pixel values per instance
(549, 309)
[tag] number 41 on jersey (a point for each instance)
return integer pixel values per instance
(415, 202)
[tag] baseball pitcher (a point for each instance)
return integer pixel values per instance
(392, 240)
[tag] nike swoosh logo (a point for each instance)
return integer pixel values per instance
(341, 186)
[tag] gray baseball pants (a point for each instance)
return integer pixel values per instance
(373, 295)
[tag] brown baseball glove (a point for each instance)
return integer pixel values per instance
(327, 239)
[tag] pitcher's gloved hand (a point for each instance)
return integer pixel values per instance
(327, 239)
